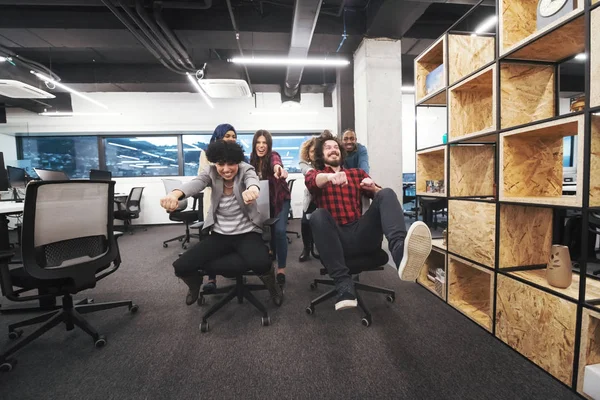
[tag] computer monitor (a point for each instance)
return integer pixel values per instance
(48, 175)
(3, 174)
(17, 177)
(100, 175)
(570, 159)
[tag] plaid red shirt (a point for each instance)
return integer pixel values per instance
(343, 202)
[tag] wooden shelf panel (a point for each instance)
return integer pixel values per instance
(434, 261)
(595, 161)
(518, 25)
(472, 230)
(471, 290)
(472, 170)
(532, 163)
(431, 165)
(439, 243)
(467, 54)
(527, 93)
(589, 352)
(538, 276)
(472, 105)
(538, 325)
(427, 62)
(595, 58)
(525, 235)
(434, 99)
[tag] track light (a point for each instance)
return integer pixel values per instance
(307, 62)
(194, 82)
(485, 25)
(68, 89)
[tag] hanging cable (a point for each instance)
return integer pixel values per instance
(344, 35)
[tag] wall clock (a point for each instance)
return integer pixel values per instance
(551, 10)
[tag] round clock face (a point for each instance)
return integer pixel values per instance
(547, 8)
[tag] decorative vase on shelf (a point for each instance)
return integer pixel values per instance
(559, 272)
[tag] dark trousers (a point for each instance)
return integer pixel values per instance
(334, 242)
(307, 238)
(249, 246)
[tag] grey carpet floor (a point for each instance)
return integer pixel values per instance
(417, 348)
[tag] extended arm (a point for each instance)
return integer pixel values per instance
(363, 158)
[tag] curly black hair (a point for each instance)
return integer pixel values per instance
(221, 151)
(319, 142)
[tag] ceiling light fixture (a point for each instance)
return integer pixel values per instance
(75, 114)
(485, 25)
(307, 62)
(408, 89)
(194, 82)
(68, 89)
(581, 57)
(284, 112)
(2, 59)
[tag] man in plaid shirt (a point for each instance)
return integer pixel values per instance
(341, 230)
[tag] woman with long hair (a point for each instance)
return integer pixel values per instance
(233, 219)
(222, 132)
(269, 166)
(307, 158)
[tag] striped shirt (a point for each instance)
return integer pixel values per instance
(230, 219)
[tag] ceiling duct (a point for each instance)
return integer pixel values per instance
(306, 13)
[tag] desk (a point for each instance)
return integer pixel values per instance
(7, 208)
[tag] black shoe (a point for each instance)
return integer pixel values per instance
(281, 279)
(345, 300)
(305, 255)
(209, 287)
(193, 283)
(274, 289)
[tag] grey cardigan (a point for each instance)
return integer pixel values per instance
(209, 177)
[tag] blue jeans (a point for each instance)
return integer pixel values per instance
(281, 244)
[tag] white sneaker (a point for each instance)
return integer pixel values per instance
(417, 247)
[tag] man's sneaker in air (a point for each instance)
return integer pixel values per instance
(345, 300)
(417, 247)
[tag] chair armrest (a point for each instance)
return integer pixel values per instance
(6, 255)
(117, 234)
(271, 221)
(197, 225)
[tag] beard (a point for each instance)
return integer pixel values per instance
(334, 163)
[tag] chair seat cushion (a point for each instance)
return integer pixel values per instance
(366, 262)
(228, 266)
(184, 216)
(21, 279)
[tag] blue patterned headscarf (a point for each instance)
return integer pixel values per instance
(220, 132)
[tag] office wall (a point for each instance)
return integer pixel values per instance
(8, 146)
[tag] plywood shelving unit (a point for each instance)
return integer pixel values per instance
(532, 163)
(431, 165)
(472, 106)
(424, 64)
(436, 259)
(538, 325)
(505, 182)
(528, 93)
(466, 54)
(518, 26)
(472, 172)
(471, 290)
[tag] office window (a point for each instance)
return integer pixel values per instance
(142, 156)
(75, 155)
(288, 148)
(193, 145)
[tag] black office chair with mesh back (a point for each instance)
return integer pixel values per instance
(188, 217)
(291, 213)
(131, 209)
(64, 258)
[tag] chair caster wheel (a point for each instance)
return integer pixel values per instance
(310, 310)
(8, 365)
(204, 327)
(134, 308)
(265, 321)
(391, 298)
(297, 236)
(201, 300)
(165, 245)
(184, 247)
(131, 233)
(180, 239)
(17, 333)
(366, 321)
(313, 286)
(90, 301)
(101, 342)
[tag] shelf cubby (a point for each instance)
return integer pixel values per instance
(537, 324)
(472, 172)
(472, 106)
(525, 235)
(589, 352)
(431, 59)
(531, 162)
(436, 259)
(518, 26)
(538, 276)
(466, 54)
(471, 290)
(595, 58)
(431, 165)
(472, 230)
(527, 93)
(439, 244)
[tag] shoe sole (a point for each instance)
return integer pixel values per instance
(417, 247)
(345, 304)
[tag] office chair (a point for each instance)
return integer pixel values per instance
(131, 209)
(375, 261)
(232, 266)
(50, 175)
(100, 175)
(291, 213)
(64, 258)
(182, 215)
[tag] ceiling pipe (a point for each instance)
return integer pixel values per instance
(237, 40)
(170, 35)
(195, 5)
(306, 14)
(339, 11)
